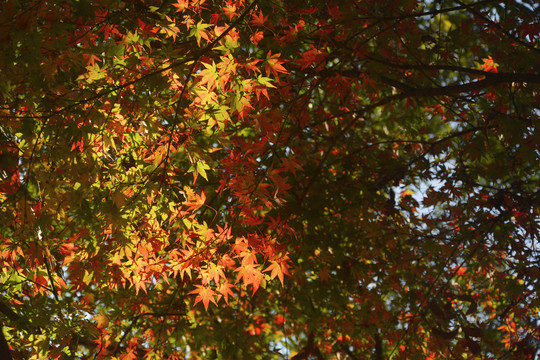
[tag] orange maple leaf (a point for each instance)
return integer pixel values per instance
(208, 75)
(489, 65)
(278, 268)
(230, 10)
(213, 273)
(181, 5)
(205, 294)
(225, 290)
(250, 275)
(256, 37)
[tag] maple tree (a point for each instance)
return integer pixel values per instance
(270, 179)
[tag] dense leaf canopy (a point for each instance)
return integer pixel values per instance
(354, 179)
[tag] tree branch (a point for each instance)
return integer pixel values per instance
(491, 80)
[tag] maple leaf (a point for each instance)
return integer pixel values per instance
(290, 164)
(79, 144)
(224, 290)
(208, 75)
(279, 320)
(251, 67)
(489, 65)
(273, 64)
(334, 11)
(250, 275)
(230, 10)
(139, 283)
(200, 33)
(204, 294)
(92, 58)
(258, 19)
(205, 96)
(249, 257)
(324, 274)
(102, 320)
(278, 268)
(308, 11)
(181, 5)
(256, 37)
(213, 273)
(171, 29)
(310, 57)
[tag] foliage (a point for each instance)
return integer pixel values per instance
(270, 179)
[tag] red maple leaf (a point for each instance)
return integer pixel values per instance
(273, 64)
(258, 19)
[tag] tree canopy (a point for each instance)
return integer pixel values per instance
(234, 179)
